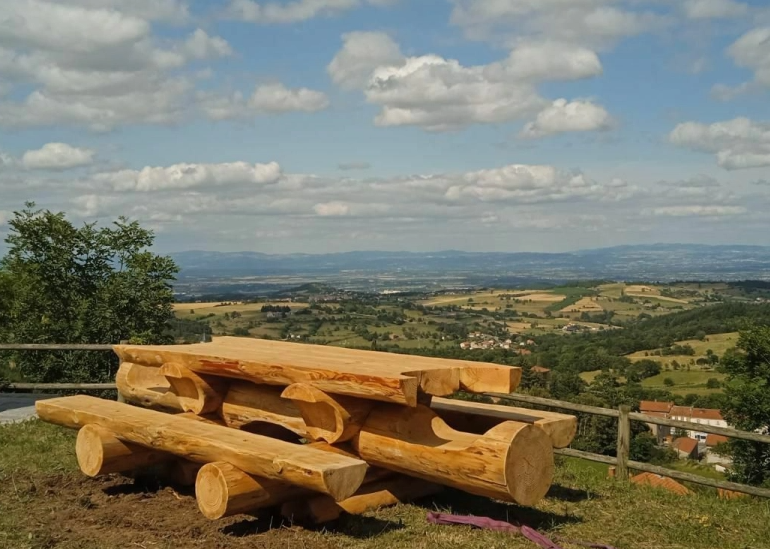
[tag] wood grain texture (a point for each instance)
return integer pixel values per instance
(146, 386)
(335, 475)
(366, 374)
(478, 417)
(223, 490)
(247, 403)
(326, 417)
(100, 452)
(383, 493)
(195, 393)
(513, 461)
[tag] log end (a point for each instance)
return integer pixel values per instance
(222, 490)
(341, 483)
(529, 465)
(90, 450)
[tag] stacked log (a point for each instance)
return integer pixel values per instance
(313, 431)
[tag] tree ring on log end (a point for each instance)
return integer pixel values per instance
(529, 465)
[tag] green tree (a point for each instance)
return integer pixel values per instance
(668, 382)
(67, 284)
(747, 405)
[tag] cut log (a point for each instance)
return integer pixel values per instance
(247, 403)
(384, 493)
(513, 461)
(197, 394)
(100, 452)
(333, 419)
(478, 417)
(364, 374)
(223, 490)
(146, 387)
(335, 475)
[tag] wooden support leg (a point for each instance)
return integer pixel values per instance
(223, 490)
(330, 418)
(196, 393)
(146, 387)
(100, 452)
(383, 493)
(513, 461)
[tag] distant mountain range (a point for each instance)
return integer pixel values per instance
(643, 263)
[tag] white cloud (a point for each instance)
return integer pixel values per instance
(57, 156)
(752, 51)
(738, 143)
(698, 182)
(595, 23)
(700, 211)
(563, 116)
(332, 209)
(361, 53)
(101, 68)
(200, 45)
(174, 11)
(439, 94)
(266, 99)
(292, 11)
(190, 176)
(714, 9)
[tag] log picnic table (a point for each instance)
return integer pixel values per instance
(311, 429)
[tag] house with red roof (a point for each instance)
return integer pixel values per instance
(686, 447)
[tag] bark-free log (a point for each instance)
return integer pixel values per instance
(146, 386)
(478, 417)
(365, 374)
(223, 490)
(330, 418)
(335, 475)
(513, 461)
(197, 394)
(386, 492)
(100, 452)
(247, 403)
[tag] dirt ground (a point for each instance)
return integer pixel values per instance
(73, 511)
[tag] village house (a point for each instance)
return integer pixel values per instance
(686, 447)
(657, 409)
(704, 416)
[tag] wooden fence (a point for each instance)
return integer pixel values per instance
(623, 414)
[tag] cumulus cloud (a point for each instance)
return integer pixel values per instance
(57, 156)
(293, 11)
(102, 67)
(699, 211)
(737, 144)
(752, 51)
(190, 176)
(714, 9)
(332, 209)
(595, 23)
(361, 53)
(699, 181)
(273, 98)
(563, 116)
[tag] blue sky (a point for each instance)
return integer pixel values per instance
(334, 125)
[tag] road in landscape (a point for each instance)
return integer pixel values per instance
(18, 407)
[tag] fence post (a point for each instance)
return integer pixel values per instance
(624, 442)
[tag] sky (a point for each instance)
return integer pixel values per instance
(335, 125)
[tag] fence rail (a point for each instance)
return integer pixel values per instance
(623, 414)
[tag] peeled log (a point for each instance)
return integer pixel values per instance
(247, 403)
(479, 417)
(223, 490)
(146, 387)
(512, 461)
(326, 417)
(386, 492)
(335, 475)
(100, 452)
(197, 394)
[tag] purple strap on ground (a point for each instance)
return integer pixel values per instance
(487, 523)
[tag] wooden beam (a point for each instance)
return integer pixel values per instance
(335, 475)
(365, 374)
(197, 394)
(146, 387)
(479, 417)
(513, 461)
(100, 452)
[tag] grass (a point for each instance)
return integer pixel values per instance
(37, 471)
